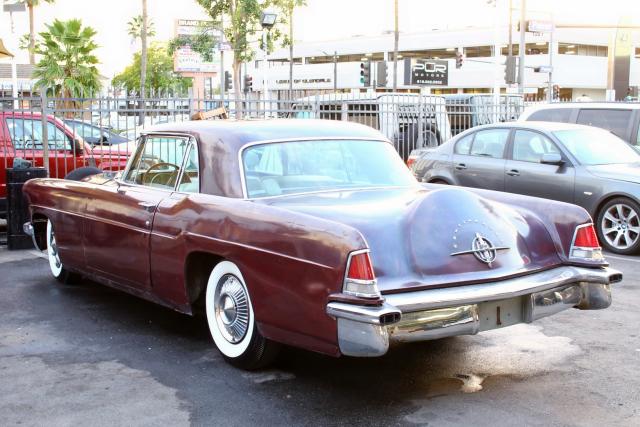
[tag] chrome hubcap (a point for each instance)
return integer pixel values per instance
(231, 308)
(620, 226)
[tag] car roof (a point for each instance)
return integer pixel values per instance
(542, 126)
(240, 132)
(619, 105)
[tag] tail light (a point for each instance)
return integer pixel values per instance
(360, 279)
(585, 244)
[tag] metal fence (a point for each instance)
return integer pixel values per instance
(102, 131)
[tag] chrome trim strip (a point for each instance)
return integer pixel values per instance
(306, 261)
(243, 182)
(504, 289)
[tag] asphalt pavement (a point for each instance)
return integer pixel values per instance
(89, 355)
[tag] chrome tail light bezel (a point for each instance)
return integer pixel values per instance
(355, 287)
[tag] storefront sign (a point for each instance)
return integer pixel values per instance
(426, 72)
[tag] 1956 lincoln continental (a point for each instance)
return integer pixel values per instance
(316, 235)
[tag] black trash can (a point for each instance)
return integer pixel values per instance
(17, 207)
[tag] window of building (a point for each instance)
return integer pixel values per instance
(582, 49)
(537, 48)
(478, 51)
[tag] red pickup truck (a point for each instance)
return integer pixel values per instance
(21, 137)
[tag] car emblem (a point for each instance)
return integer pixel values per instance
(483, 250)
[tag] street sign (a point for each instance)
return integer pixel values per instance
(14, 7)
(543, 69)
(426, 72)
(536, 26)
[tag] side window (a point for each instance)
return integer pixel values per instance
(530, 146)
(26, 134)
(490, 143)
(158, 161)
(560, 115)
(463, 146)
(190, 180)
(616, 121)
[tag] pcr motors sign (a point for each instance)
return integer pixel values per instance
(426, 72)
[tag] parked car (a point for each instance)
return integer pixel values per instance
(467, 110)
(621, 118)
(571, 163)
(94, 134)
(411, 121)
(316, 235)
(21, 137)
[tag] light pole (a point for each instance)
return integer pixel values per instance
(267, 21)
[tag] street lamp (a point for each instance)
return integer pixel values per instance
(267, 21)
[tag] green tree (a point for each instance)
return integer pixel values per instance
(159, 76)
(67, 67)
(31, 4)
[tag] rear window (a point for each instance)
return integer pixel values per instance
(560, 115)
(616, 121)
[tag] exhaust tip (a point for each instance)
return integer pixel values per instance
(615, 278)
(390, 318)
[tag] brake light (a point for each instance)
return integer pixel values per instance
(360, 279)
(585, 244)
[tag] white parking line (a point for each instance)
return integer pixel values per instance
(622, 258)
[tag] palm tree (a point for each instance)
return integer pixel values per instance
(32, 32)
(135, 28)
(68, 65)
(140, 27)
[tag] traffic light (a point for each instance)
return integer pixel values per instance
(228, 81)
(248, 83)
(381, 80)
(459, 59)
(510, 70)
(556, 92)
(365, 73)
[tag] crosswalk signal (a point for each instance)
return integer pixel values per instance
(365, 73)
(556, 92)
(228, 81)
(459, 59)
(383, 74)
(248, 83)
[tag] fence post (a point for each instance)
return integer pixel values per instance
(45, 133)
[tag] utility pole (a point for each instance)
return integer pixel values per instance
(396, 37)
(335, 71)
(551, 49)
(521, 49)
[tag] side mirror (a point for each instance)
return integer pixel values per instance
(551, 159)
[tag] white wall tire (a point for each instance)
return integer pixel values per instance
(231, 319)
(58, 271)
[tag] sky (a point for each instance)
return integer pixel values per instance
(319, 20)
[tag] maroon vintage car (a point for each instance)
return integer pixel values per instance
(314, 234)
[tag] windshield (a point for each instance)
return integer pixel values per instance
(275, 169)
(597, 147)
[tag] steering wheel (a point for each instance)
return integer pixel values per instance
(145, 178)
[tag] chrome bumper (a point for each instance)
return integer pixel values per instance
(467, 310)
(27, 228)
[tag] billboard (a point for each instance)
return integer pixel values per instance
(426, 72)
(186, 60)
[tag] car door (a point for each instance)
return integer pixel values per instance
(118, 225)
(482, 164)
(26, 137)
(525, 174)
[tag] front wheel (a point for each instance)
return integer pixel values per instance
(58, 271)
(619, 226)
(232, 322)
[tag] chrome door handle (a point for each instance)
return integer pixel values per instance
(513, 172)
(148, 206)
(461, 166)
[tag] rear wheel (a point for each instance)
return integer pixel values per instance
(232, 322)
(619, 226)
(58, 271)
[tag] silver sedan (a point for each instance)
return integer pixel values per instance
(577, 164)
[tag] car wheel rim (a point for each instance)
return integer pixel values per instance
(620, 226)
(52, 250)
(231, 309)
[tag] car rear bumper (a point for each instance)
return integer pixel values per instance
(466, 310)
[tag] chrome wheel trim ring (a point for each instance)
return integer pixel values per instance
(52, 250)
(231, 308)
(620, 226)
